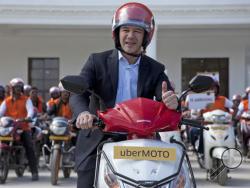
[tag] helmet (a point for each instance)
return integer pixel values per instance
(236, 97)
(135, 14)
(16, 81)
(54, 89)
(27, 87)
(247, 89)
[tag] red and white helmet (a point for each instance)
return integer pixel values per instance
(16, 81)
(135, 14)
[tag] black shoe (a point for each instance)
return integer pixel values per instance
(34, 177)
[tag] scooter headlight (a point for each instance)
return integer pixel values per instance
(4, 131)
(59, 126)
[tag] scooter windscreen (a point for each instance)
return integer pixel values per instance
(140, 116)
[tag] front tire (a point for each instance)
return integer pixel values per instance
(222, 175)
(4, 167)
(55, 165)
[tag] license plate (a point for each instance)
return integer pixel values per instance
(144, 153)
(64, 138)
(6, 138)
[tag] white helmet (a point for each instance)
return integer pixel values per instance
(54, 89)
(16, 81)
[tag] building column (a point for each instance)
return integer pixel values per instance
(152, 47)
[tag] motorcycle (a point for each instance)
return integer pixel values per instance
(245, 132)
(217, 140)
(12, 152)
(61, 149)
(140, 160)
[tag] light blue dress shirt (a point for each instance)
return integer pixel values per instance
(127, 80)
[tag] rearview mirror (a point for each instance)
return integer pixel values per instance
(75, 84)
(201, 83)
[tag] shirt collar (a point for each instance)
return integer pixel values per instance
(123, 59)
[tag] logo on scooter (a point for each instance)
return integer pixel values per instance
(231, 159)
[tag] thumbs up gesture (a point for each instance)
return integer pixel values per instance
(169, 98)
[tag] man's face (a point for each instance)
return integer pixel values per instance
(131, 39)
(17, 89)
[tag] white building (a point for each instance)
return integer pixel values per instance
(43, 40)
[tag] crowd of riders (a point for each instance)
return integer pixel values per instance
(21, 101)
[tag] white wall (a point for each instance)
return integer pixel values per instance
(176, 44)
(71, 48)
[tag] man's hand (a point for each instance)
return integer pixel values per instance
(169, 98)
(85, 120)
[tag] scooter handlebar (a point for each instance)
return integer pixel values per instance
(193, 123)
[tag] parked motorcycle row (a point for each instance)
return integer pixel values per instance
(147, 145)
(54, 141)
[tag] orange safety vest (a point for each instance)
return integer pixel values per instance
(245, 105)
(63, 109)
(219, 104)
(17, 109)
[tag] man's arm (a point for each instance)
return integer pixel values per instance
(2, 109)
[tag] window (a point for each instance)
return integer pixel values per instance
(43, 73)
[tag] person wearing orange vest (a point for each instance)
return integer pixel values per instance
(221, 103)
(244, 106)
(60, 106)
(19, 106)
(37, 100)
(2, 94)
(54, 94)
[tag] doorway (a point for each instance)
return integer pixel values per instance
(192, 66)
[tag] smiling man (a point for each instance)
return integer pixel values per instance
(118, 75)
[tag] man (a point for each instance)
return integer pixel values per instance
(19, 106)
(2, 94)
(54, 92)
(118, 75)
(220, 103)
(37, 100)
(26, 90)
(60, 106)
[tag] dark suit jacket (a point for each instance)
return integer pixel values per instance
(101, 74)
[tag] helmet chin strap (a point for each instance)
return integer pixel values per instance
(131, 54)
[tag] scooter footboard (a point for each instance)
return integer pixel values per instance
(217, 152)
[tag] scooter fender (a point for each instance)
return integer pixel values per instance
(217, 152)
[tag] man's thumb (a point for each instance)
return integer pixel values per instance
(164, 87)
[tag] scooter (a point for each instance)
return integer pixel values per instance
(217, 140)
(141, 160)
(245, 132)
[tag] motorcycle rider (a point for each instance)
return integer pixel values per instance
(18, 106)
(2, 94)
(37, 100)
(118, 75)
(221, 103)
(26, 90)
(243, 106)
(54, 92)
(60, 106)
